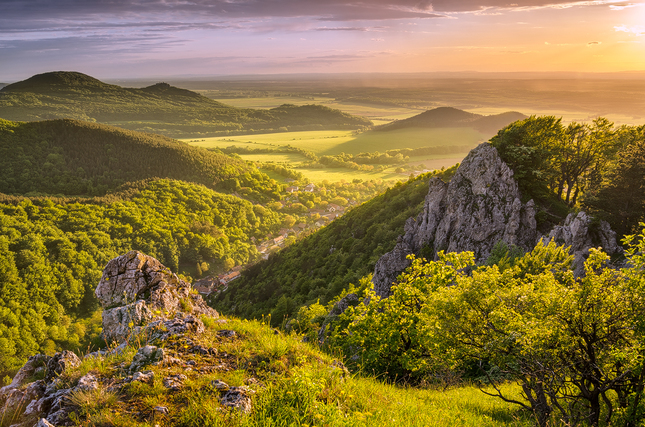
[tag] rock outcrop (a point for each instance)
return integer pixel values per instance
(136, 289)
(580, 232)
(143, 300)
(479, 207)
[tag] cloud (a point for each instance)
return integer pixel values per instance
(622, 6)
(639, 30)
(593, 44)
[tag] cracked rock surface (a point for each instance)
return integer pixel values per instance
(479, 207)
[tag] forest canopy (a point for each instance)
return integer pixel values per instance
(53, 253)
(595, 165)
(68, 157)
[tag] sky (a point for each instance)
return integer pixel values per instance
(112, 39)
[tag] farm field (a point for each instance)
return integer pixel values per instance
(379, 114)
(336, 142)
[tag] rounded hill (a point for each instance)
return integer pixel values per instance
(70, 157)
(59, 80)
(454, 117)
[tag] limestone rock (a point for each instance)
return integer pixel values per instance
(581, 233)
(33, 365)
(145, 356)
(238, 398)
(136, 289)
(219, 385)
(60, 362)
(88, 382)
(338, 308)
(480, 206)
(44, 423)
(163, 410)
(174, 382)
(146, 377)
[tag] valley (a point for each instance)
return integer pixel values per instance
(350, 234)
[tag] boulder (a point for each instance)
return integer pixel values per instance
(60, 362)
(238, 398)
(136, 289)
(146, 377)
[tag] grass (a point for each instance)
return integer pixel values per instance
(335, 142)
(291, 383)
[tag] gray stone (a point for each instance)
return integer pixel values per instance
(227, 333)
(580, 233)
(61, 362)
(25, 373)
(145, 356)
(136, 289)
(161, 410)
(479, 207)
(44, 423)
(174, 382)
(219, 385)
(238, 398)
(338, 308)
(146, 377)
(88, 382)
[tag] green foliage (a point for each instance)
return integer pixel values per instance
(160, 108)
(321, 265)
(619, 197)
(53, 253)
(575, 346)
(75, 158)
(504, 256)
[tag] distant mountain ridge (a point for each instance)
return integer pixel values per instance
(454, 117)
(159, 108)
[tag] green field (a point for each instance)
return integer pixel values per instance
(336, 142)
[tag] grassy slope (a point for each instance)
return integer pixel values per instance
(298, 386)
(78, 158)
(323, 264)
(160, 108)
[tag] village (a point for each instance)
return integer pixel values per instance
(310, 220)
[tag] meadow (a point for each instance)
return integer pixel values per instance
(336, 142)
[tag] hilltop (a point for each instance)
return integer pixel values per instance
(160, 108)
(70, 157)
(175, 362)
(453, 117)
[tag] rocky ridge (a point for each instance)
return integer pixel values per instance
(144, 303)
(479, 207)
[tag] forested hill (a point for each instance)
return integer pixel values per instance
(52, 252)
(69, 157)
(159, 108)
(453, 117)
(320, 266)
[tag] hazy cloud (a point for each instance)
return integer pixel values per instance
(639, 30)
(593, 43)
(17, 13)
